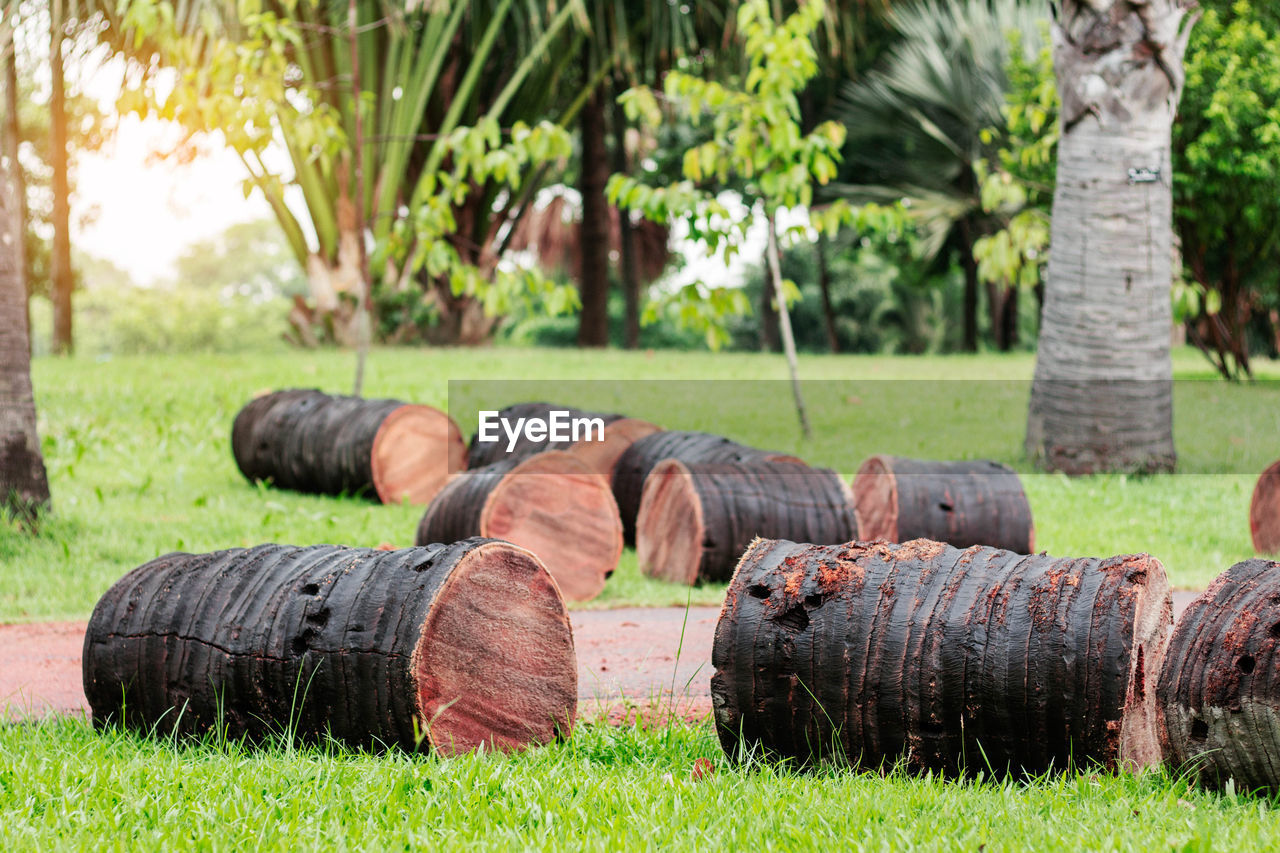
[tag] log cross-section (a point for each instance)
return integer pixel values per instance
(1264, 512)
(952, 661)
(641, 457)
(448, 647)
(551, 503)
(309, 441)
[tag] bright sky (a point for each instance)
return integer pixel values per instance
(148, 212)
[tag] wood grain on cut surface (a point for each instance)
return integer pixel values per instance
(953, 661)
(1264, 512)
(550, 503)
(447, 646)
(961, 503)
(634, 465)
(696, 519)
(309, 441)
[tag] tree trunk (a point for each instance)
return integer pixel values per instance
(600, 453)
(950, 661)
(644, 455)
(1264, 512)
(551, 503)
(970, 267)
(449, 647)
(770, 337)
(12, 138)
(960, 503)
(24, 485)
(311, 442)
(1102, 399)
(784, 326)
(593, 274)
(628, 262)
(60, 275)
(1217, 691)
(696, 519)
(824, 285)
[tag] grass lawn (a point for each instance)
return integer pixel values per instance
(139, 459)
(139, 455)
(62, 785)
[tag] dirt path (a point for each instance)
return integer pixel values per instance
(629, 660)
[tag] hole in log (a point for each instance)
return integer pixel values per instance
(303, 641)
(946, 507)
(1245, 663)
(310, 589)
(1275, 630)
(814, 600)
(794, 618)
(319, 618)
(759, 590)
(1199, 730)
(1140, 675)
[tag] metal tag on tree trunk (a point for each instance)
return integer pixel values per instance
(1144, 175)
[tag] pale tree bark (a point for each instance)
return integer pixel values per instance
(24, 486)
(61, 281)
(1102, 399)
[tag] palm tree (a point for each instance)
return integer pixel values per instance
(918, 124)
(1103, 392)
(24, 485)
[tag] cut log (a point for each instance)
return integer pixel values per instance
(448, 647)
(308, 441)
(1264, 512)
(642, 456)
(696, 519)
(952, 661)
(551, 503)
(601, 455)
(960, 503)
(1219, 691)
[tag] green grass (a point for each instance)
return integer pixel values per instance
(64, 786)
(140, 463)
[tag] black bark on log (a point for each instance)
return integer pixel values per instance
(552, 503)
(445, 647)
(641, 457)
(1264, 512)
(619, 433)
(960, 503)
(952, 661)
(696, 519)
(1219, 690)
(308, 441)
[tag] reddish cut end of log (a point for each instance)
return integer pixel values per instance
(495, 664)
(1219, 689)
(564, 512)
(1264, 512)
(414, 451)
(670, 527)
(602, 456)
(875, 501)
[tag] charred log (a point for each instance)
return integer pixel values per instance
(447, 647)
(951, 661)
(696, 519)
(308, 441)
